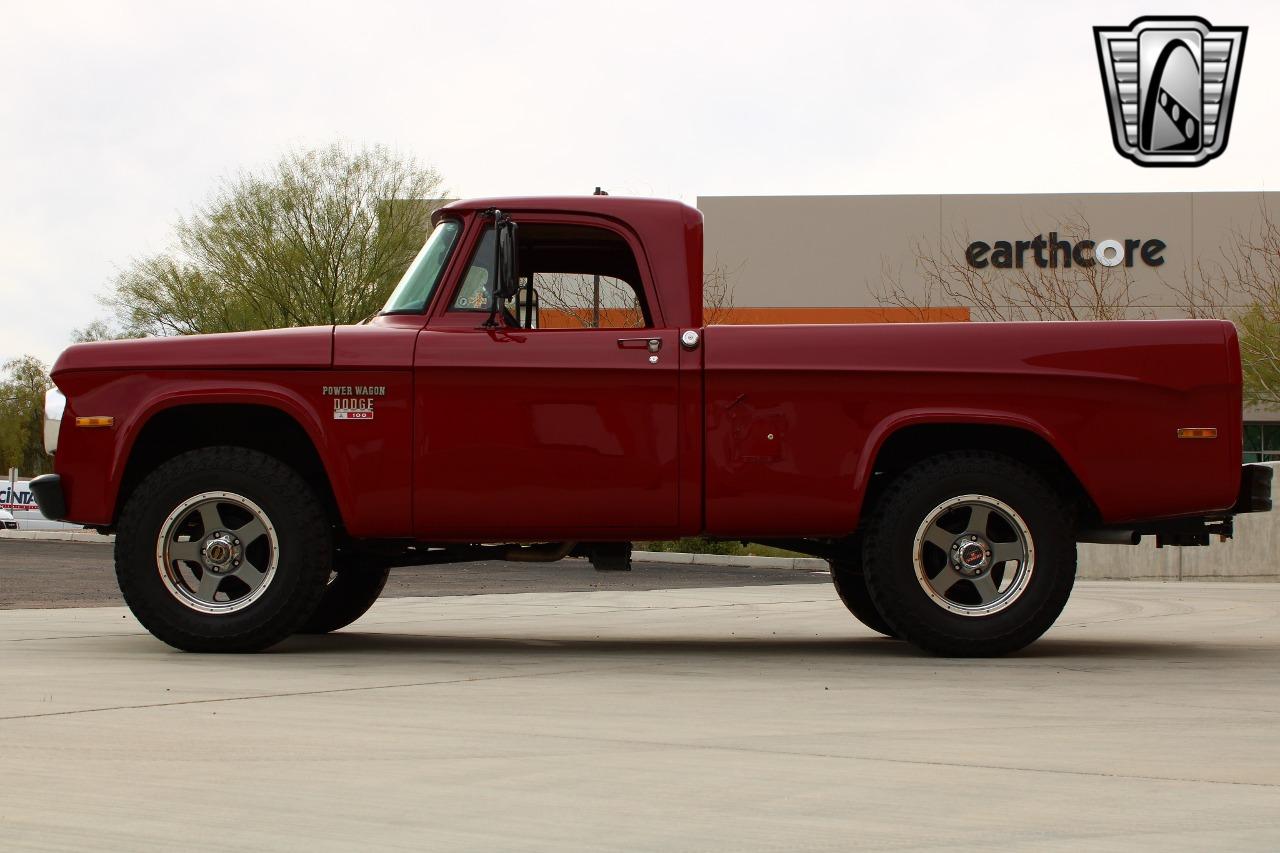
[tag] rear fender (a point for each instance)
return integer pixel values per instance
(893, 425)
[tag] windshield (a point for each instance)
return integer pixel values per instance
(420, 279)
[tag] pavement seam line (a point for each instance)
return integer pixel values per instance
(908, 761)
(289, 695)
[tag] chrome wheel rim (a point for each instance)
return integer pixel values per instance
(217, 552)
(973, 555)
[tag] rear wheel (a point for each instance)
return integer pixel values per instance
(969, 554)
(851, 586)
(353, 588)
(223, 549)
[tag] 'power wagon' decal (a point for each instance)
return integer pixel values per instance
(353, 402)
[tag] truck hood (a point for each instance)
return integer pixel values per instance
(311, 346)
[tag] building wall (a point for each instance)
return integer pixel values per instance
(839, 251)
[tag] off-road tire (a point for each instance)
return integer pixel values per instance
(889, 565)
(851, 587)
(354, 587)
(302, 569)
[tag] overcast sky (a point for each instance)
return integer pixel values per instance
(115, 118)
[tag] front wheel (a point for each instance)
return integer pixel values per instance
(969, 554)
(223, 549)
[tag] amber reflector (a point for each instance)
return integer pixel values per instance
(96, 421)
(1198, 432)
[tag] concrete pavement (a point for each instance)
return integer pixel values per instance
(760, 718)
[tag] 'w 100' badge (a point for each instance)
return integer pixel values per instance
(1170, 85)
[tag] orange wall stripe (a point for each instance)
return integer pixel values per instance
(762, 316)
(620, 318)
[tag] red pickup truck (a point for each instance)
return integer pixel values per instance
(263, 484)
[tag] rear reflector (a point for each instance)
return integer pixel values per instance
(1198, 432)
(96, 421)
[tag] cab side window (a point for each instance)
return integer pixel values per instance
(576, 301)
(574, 276)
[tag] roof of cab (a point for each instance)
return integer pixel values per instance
(621, 206)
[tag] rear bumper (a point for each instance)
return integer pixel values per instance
(1254, 496)
(47, 490)
(1255, 489)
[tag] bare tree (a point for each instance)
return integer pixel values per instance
(1244, 287)
(1023, 292)
(572, 298)
(717, 294)
(321, 237)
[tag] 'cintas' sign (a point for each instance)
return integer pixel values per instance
(18, 498)
(1054, 252)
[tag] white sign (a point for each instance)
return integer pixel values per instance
(15, 496)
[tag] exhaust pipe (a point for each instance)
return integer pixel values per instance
(1109, 537)
(545, 552)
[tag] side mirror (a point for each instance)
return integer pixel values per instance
(507, 266)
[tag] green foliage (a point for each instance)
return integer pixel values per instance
(98, 330)
(1259, 330)
(22, 416)
(692, 545)
(322, 237)
(703, 545)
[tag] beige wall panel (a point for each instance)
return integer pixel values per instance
(1220, 218)
(833, 250)
(813, 250)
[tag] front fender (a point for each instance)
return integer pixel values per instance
(367, 462)
(211, 392)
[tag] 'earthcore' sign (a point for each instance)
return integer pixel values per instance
(1053, 252)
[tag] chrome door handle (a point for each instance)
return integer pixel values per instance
(651, 344)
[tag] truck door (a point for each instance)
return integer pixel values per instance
(565, 430)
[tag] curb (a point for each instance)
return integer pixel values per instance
(89, 536)
(792, 564)
(795, 564)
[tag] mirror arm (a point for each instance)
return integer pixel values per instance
(528, 303)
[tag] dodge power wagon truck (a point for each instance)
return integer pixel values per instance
(264, 483)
